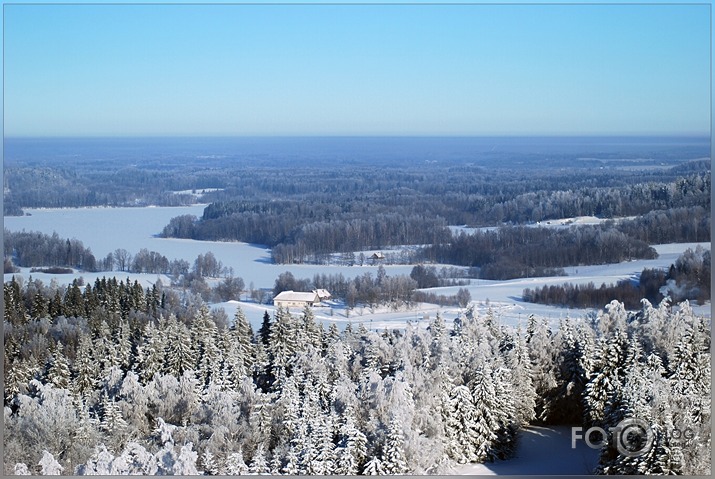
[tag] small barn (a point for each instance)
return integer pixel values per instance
(377, 256)
(323, 294)
(296, 299)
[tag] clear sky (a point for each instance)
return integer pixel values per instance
(104, 70)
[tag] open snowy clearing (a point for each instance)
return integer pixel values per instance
(107, 229)
(541, 451)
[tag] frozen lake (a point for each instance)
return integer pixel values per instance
(106, 229)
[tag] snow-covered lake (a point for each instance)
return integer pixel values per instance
(107, 229)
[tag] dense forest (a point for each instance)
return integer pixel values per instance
(313, 224)
(115, 379)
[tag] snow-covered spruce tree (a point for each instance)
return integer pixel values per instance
(259, 464)
(373, 467)
(541, 353)
(243, 334)
(689, 378)
(518, 362)
(605, 386)
(461, 430)
(574, 356)
(393, 455)
(150, 353)
(282, 344)
(123, 345)
(58, 371)
(86, 372)
(235, 465)
(112, 423)
(488, 410)
(352, 445)
(179, 353)
(506, 414)
(307, 331)
(204, 338)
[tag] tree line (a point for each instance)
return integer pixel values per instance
(136, 385)
(687, 279)
(523, 251)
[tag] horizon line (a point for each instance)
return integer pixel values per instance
(365, 135)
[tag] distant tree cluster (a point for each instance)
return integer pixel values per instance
(431, 277)
(135, 384)
(678, 225)
(687, 279)
(38, 249)
(462, 298)
(314, 217)
(523, 251)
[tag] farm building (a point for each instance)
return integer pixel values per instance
(296, 299)
(323, 294)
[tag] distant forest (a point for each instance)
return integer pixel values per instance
(307, 211)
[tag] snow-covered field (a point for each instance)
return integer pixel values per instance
(107, 229)
(541, 451)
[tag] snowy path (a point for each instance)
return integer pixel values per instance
(541, 450)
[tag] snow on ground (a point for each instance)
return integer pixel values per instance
(541, 451)
(107, 229)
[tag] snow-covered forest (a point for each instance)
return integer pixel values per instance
(111, 379)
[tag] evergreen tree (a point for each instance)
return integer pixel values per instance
(204, 338)
(179, 353)
(373, 467)
(462, 434)
(150, 354)
(393, 457)
(235, 466)
(258, 464)
(86, 372)
(282, 345)
(487, 412)
(58, 373)
(264, 333)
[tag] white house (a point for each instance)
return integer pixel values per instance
(296, 299)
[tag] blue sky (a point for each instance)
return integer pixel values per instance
(127, 70)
